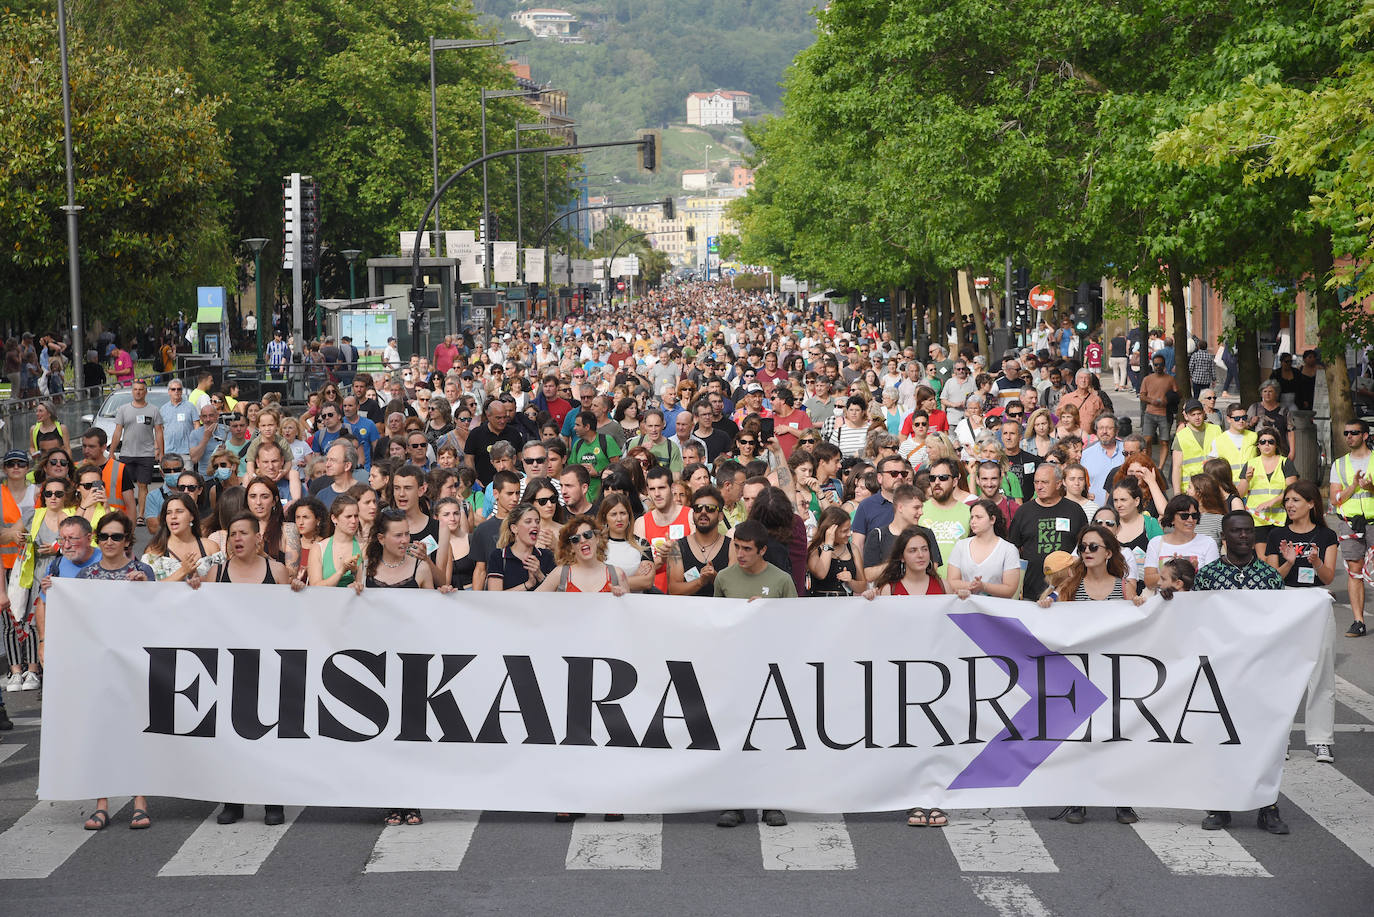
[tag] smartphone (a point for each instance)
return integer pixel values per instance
(766, 429)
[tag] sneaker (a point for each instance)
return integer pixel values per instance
(30, 682)
(231, 813)
(1268, 819)
(1215, 821)
(13, 682)
(1076, 815)
(1356, 629)
(730, 818)
(1126, 815)
(1323, 753)
(774, 818)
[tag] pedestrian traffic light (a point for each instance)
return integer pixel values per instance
(492, 229)
(310, 224)
(668, 211)
(650, 141)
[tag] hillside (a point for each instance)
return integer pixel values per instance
(640, 59)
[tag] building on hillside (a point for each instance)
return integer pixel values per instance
(695, 179)
(741, 177)
(668, 236)
(720, 106)
(550, 105)
(546, 23)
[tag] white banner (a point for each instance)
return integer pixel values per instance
(534, 265)
(558, 268)
(582, 271)
(646, 704)
(504, 267)
(458, 242)
(470, 268)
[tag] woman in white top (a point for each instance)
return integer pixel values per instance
(985, 563)
(851, 433)
(1183, 513)
(1076, 488)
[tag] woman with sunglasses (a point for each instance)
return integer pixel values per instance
(114, 537)
(41, 546)
(179, 551)
(90, 494)
(54, 463)
(835, 568)
(1263, 481)
(1108, 516)
(1182, 513)
(517, 561)
(544, 495)
(582, 566)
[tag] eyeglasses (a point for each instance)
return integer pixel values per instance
(807, 441)
(1188, 514)
(942, 477)
(1108, 523)
(174, 388)
(16, 463)
(466, 418)
(116, 537)
(327, 415)
(582, 536)
(187, 488)
(914, 423)
(1091, 547)
(418, 445)
(1209, 398)
(89, 485)
(746, 441)
(545, 501)
(535, 460)
(706, 508)
(51, 494)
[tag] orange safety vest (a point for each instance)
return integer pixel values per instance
(113, 476)
(10, 551)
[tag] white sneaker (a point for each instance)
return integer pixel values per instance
(13, 681)
(1323, 753)
(30, 682)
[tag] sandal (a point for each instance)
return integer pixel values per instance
(917, 818)
(140, 820)
(413, 817)
(938, 818)
(99, 819)
(393, 818)
(567, 816)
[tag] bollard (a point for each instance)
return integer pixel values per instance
(1306, 457)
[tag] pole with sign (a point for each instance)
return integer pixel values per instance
(1042, 300)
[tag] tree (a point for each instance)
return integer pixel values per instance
(150, 164)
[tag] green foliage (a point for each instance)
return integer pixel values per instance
(150, 163)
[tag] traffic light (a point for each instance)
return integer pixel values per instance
(290, 204)
(310, 224)
(691, 233)
(1021, 288)
(650, 142)
(490, 233)
(668, 211)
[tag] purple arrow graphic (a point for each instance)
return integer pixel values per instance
(1004, 763)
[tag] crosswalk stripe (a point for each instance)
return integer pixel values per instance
(1334, 801)
(228, 850)
(1355, 697)
(9, 751)
(1177, 838)
(997, 840)
(808, 842)
(1008, 897)
(26, 721)
(635, 843)
(438, 845)
(47, 836)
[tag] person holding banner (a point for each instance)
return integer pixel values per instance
(517, 562)
(1239, 567)
(911, 568)
(581, 556)
(334, 560)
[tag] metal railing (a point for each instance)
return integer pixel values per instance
(20, 414)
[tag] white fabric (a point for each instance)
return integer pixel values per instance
(455, 666)
(1202, 550)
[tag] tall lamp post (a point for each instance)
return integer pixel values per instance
(449, 44)
(256, 246)
(486, 204)
(71, 209)
(521, 127)
(351, 255)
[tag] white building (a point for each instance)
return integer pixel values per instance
(721, 106)
(695, 179)
(546, 23)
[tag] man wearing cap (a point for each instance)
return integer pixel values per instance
(751, 403)
(391, 355)
(1192, 444)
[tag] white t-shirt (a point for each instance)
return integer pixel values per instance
(1201, 550)
(1000, 560)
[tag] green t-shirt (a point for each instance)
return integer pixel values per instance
(770, 583)
(949, 525)
(597, 456)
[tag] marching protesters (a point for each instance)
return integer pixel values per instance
(1352, 498)
(704, 551)
(1181, 515)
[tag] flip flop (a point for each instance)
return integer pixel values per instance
(101, 818)
(140, 815)
(938, 818)
(917, 818)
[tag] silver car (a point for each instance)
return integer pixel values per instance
(105, 417)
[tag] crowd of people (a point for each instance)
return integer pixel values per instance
(708, 442)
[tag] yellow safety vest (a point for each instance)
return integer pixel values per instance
(1226, 448)
(1362, 503)
(1265, 487)
(1194, 454)
(30, 561)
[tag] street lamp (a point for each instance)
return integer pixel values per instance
(71, 208)
(486, 206)
(519, 127)
(707, 163)
(449, 44)
(351, 255)
(256, 247)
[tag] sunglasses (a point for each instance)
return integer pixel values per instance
(1091, 547)
(1267, 442)
(536, 460)
(746, 441)
(418, 445)
(582, 536)
(60, 462)
(1188, 515)
(1210, 398)
(218, 465)
(327, 415)
(16, 463)
(914, 423)
(706, 508)
(116, 537)
(545, 501)
(1353, 432)
(1240, 418)
(90, 485)
(1108, 523)
(899, 472)
(807, 441)
(50, 494)
(188, 488)
(942, 477)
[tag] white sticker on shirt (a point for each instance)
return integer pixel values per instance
(1061, 524)
(1307, 576)
(181, 418)
(763, 590)
(692, 575)
(677, 531)
(1029, 468)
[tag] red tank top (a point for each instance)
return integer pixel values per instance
(572, 587)
(933, 587)
(676, 529)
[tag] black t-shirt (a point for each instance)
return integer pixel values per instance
(503, 563)
(1302, 573)
(479, 446)
(483, 540)
(1038, 531)
(1119, 344)
(717, 443)
(1023, 465)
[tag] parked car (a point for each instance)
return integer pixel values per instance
(104, 418)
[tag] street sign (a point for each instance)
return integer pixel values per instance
(982, 283)
(1042, 300)
(713, 244)
(620, 285)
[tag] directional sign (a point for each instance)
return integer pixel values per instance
(713, 244)
(982, 283)
(1042, 300)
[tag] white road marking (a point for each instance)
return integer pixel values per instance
(47, 836)
(1008, 897)
(635, 843)
(438, 845)
(26, 721)
(808, 842)
(1355, 697)
(996, 840)
(9, 751)
(228, 850)
(1340, 727)
(1177, 838)
(1334, 801)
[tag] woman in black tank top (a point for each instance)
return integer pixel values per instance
(835, 569)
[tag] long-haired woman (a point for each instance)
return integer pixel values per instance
(910, 569)
(334, 560)
(581, 557)
(280, 539)
(1263, 481)
(835, 569)
(180, 550)
(518, 562)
